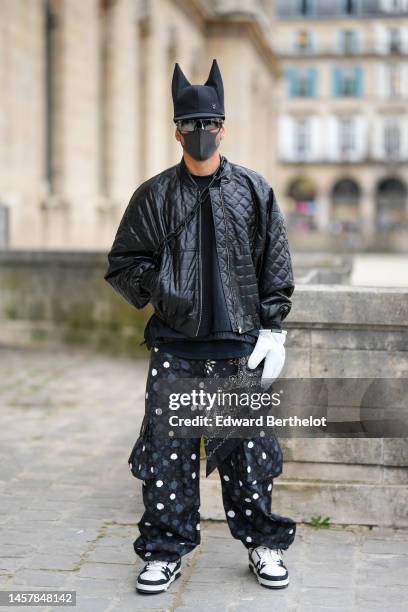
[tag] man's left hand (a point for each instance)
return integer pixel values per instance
(269, 346)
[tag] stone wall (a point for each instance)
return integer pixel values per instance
(351, 332)
(56, 296)
(52, 296)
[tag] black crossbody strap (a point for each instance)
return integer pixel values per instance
(186, 220)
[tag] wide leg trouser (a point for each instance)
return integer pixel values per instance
(170, 470)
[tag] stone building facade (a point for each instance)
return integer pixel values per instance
(316, 94)
(86, 108)
(343, 123)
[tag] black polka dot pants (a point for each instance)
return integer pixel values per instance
(170, 468)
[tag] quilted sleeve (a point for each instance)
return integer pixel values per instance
(131, 266)
(276, 283)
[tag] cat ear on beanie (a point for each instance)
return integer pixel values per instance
(179, 82)
(215, 80)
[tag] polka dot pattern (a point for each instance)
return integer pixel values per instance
(168, 467)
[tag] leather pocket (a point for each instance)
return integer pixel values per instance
(164, 277)
(140, 459)
(149, 280)
(172, 298)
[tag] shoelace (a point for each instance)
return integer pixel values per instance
(163, 566)
(266, 554)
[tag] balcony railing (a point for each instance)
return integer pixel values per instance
(370, 47)
(336, 8)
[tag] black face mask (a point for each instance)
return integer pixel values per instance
(200, 144)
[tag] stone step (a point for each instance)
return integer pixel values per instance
(345, 502)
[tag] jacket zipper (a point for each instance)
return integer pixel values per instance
(199, 268)
(238, 327)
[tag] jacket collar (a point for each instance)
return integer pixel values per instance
(223, 172)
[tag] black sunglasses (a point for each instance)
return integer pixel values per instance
(189, 125)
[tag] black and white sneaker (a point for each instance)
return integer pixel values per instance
(268, 567)
(157, 576)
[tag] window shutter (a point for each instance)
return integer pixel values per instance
(403, 120)
(361, 136)
(292, 82)
(358, 72)
(315, 138)
(377, 140)
(357, 41)
(336, 76)
(404, 76)
(381, 88)
(286, 144)
(381, 42)
(404, 39)
(331, 140)
(312, 82)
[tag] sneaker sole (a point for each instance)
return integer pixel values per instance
(153, 589)
(269, 584)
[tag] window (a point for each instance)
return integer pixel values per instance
(348, 84)
(327, 8)
(348, 41)
(348, 81)
(285, 8)
(350, 7)
(392, 139)
(394, 80)
(394, 40)
(294, 8)
(394, 6)
(305, 7)
(302, 82)
(370, 7)
(302, 138)
(347, 140)
(303, 40)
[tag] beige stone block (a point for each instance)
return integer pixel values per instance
(354, 364)
(334, 450)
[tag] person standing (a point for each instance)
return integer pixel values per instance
(205, 243)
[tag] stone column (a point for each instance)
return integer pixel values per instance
(324, 206)
(156, 92)
(78, 98)
(368, 214)
(22, 119)
(119, 116)
(123, 118)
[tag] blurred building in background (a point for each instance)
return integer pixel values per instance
(86, 111)
(343, 122)
(316, 97)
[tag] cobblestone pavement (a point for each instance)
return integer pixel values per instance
(69, 507)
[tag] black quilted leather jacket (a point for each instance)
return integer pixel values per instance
(147, 264)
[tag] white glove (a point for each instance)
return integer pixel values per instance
(269, 346)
